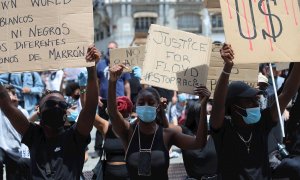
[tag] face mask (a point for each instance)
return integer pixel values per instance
(72, 117)
(76, 97)
(53, 118)
(253, 115)
(146, 114)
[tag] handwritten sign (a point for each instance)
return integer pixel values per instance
(40, 35)
(242, 72)
(176, 60)
(130, 57)
(262, 30)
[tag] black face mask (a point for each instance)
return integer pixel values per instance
(76, 97)
(53, 118)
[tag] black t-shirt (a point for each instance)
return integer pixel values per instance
(61, 157)
(275, 137)
(199, 162)
(234, 162)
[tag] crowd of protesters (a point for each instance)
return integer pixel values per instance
(46, 120)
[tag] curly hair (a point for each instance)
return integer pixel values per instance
(153, 91)
(47, 92)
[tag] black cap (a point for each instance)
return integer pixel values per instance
(239, 89)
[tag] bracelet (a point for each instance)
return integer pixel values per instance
(227, 73)
(83, 91)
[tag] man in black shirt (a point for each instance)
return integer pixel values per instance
(239, 128)
(56, 153)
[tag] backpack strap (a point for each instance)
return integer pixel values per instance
(9, 78)
(33, 78)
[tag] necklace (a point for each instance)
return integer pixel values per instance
(146, 150)
(247, 143)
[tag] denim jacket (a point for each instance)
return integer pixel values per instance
(30, 99)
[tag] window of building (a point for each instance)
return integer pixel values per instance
(217, 23)
(190, 22)
(142, 24)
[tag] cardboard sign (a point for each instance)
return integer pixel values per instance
(41, 35)
(282, 66)
(212, 3)
(243, 72)
(262, 30)
(130, 57)
(176, 60)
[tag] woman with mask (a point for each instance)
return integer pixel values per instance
(239, 128)
(56, 153)
(114, 165)
(146, 143)
(112, 159)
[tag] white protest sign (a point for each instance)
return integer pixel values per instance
(242, 72)
(176, 60)
(130, 57)
(262, 30)
(40, 35)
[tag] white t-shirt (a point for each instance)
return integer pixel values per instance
(55, 80)
(10, 139)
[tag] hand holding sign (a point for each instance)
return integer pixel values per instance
(115, 72)
(93, 55)
(262, 30)
(227, 54)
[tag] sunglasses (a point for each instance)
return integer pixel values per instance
(53, 103)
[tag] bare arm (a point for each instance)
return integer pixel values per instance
(120, 126)
(218, 110)
(87, 114)
(101, 124)
(189, 142)
(15, 116)
(289, 91)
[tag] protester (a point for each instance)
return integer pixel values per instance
(200, 163)
(113, 165)
(239, 128)
(56, 153)
(285, 162)
(73, 96)
(263, 85)
(123, 89)
(177, 110)
(29, 86)
(13, 153)
(147, 144)
(293, 124)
